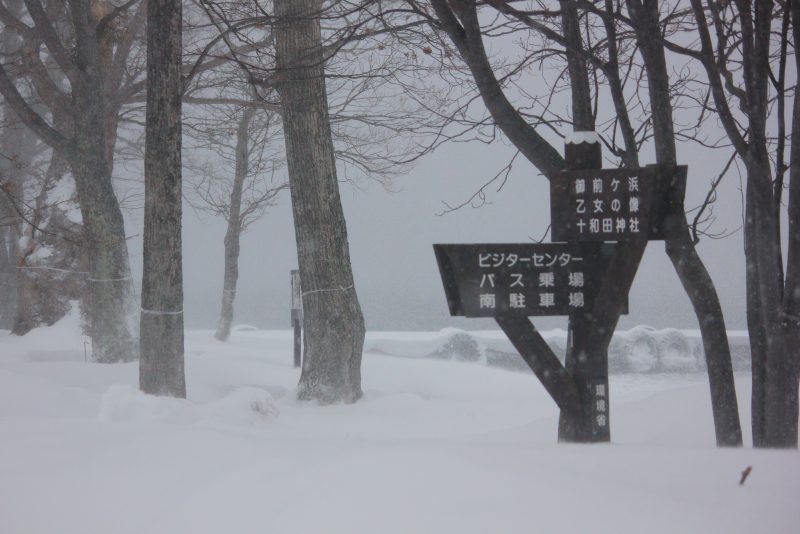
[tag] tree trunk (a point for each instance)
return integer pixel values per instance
(13, 158)
(85, 145)
(8, 285)
(775, 399)
(230, 278)
(588, 368)
(587, 364)
(700, 288)
(16, 153)
(791, 291)
(110, 306)
(161, 367)
(334, 325)
(687, 263)
(234, 232)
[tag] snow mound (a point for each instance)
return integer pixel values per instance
(243, 406)
(641, 349)
(245, 328)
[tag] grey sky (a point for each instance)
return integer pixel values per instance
(391, 236)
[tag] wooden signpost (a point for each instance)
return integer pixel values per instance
(297, 315)
(521, 279)
(591, 210)
(617, 204)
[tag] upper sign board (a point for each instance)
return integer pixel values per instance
(617, 204)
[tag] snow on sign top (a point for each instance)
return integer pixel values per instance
(576, 138)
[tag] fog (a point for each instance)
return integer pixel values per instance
(391, 235)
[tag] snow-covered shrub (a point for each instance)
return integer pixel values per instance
(460, 346)
(675, 352)
(641, 350)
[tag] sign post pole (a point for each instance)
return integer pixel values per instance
(601, 219)
(588, 365)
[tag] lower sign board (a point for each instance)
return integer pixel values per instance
(618, 204)
(524, 279)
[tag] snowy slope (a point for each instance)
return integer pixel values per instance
(434, 446)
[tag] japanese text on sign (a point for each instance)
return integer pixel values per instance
(529, 279)
(617, 204)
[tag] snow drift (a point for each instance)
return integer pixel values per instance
(639, 350)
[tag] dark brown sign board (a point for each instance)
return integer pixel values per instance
(618, 204)
(527, 279)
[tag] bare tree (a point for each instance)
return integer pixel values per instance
(744, 58)
(681, 251)
(244, 195)
(161, 366)
(75, 56)
(41, 270)
(461, 22)
(334, 325)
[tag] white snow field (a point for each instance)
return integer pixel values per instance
(435, 446)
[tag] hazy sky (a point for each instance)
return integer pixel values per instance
(391, 235)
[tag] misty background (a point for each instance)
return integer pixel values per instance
(391, 235)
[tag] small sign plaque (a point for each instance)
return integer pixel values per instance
(525, 279)
(617, 204)
(297, 298)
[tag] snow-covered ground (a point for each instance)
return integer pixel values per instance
(436, 445)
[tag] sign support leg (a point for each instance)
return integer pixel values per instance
(543, 362)
(586, 362)
(588, 366)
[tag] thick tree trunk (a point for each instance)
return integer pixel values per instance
(698, 285)
(774, 400)
(15, 154)
(334, 333)
(85, 144)
(8, 219)
(588, 368)
(234, 232)
(791, 290)
(110, 306)
(230, 278)
(582, 117)
(587, 364)
(161, 367)
(690, 269)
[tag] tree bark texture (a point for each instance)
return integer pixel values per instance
(791, 291)
(161, 367)
(15, 154)
(681, 251)
(588, 366)
(334, 324)
(234, 231)
(773, 328)
(9, 220)
(582, 116)
(81, 137)
(111, 305)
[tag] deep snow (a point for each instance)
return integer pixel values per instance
(434, 446)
